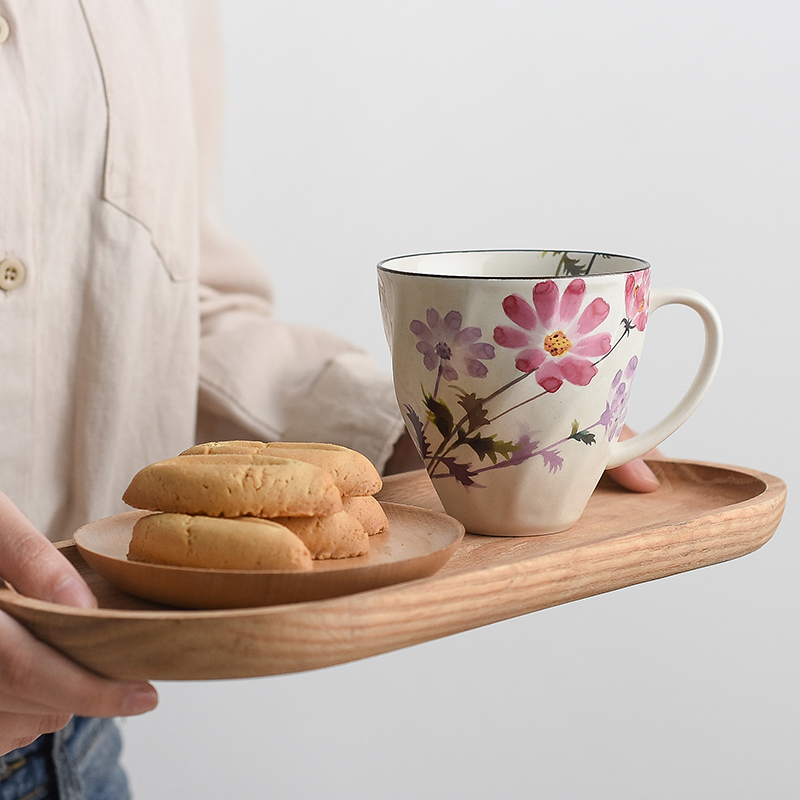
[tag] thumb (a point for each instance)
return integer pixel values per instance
(30, 563)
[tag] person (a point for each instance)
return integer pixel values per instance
(133, 326)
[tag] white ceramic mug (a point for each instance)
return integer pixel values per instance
(513, 369)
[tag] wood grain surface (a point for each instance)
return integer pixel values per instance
(416, 544)
(701, 515)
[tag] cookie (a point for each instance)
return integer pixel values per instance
(216, 543)
(353, 472)
(236, 486)
(239, 447)
(333, 536)
(368, 511)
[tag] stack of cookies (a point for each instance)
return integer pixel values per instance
(256, 505)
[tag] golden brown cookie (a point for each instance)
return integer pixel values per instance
(237, 447)
(215, 543)
(353, 472)
(368, 511)
(333, 536)
(236, 486)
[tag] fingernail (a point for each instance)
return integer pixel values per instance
(72, 591)
(140, 701)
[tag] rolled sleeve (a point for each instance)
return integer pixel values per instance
(266, 379)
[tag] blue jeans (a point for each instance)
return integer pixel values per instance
(80, 762)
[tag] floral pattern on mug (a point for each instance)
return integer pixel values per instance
(554, 336)
(446, 345)
(613, 418)
(637, 299)
(560, 338)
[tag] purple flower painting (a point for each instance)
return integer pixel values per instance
(446, 345)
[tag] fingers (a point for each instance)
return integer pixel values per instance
(20, 730)
(37, 680)
(636, 476)
(39, 688)
(33, 566)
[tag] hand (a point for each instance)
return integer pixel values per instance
(39, 688)
(636, 475)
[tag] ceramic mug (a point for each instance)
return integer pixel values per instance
(513, 370)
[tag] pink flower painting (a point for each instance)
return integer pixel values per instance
(637, 299)
(556, 335)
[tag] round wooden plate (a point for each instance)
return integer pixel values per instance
(416, 544)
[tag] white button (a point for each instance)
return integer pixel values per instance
(12, 274)
(5, 29)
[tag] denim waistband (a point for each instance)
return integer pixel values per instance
(79, 762)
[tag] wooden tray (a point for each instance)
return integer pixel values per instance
(702, 514)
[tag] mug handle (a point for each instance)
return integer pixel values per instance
(637, 446)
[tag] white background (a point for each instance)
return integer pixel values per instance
(360, 130)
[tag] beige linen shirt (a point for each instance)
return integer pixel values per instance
(131, 323)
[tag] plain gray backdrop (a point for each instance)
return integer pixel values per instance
(360, 130)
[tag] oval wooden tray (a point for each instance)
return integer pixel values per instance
(701, 515)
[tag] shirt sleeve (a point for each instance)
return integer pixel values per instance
(261, 377)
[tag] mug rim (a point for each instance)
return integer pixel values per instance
(382, 265)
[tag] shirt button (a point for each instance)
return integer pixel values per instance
(5, 29)
(12, 274)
